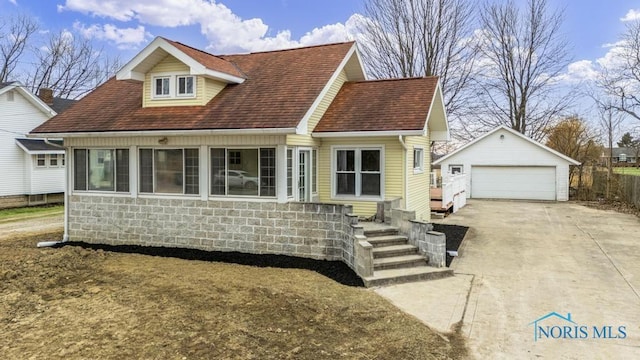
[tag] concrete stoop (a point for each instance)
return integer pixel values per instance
(396, 261)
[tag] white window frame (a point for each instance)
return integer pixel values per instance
(53, 157)
(418, 150)
(86, 174)
(153, 171)
(154, 86)
(226, 180)
(451, 167)
(358, 172)
(44, 157)
(622, 158)
(177, 85)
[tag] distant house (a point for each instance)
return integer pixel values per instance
(32, 169)
(623, 156)
(505, 164)
(261, 152)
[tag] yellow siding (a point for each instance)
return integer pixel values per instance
(217, 140)
(418, 184)
(303, 140)
(174, 66)
(326, 101)
(393, 170)
(211, 89)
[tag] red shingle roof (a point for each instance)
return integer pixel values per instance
(280, 88)
(210, 61)
(381, 105)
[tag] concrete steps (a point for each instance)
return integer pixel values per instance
(405, 275)
(394, 250)
(387, 240)
(395, 260)
(398, 262)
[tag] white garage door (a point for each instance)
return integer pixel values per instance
(513, 182)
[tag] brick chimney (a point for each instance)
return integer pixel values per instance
(46, 95)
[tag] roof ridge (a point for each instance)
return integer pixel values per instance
(292, 49)
(196, 49)
(396, 79)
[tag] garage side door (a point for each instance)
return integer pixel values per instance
(513, 182)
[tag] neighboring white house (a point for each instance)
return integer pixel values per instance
(32, 169)
(504, 164)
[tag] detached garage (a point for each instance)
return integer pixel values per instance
(504, 164)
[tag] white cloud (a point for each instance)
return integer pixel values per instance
(582, 70)
(13, 2)
(631, 15)
(124, 38)
(225, 31)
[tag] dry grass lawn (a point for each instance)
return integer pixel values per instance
(75, 303)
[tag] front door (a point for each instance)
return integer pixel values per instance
(304, 175)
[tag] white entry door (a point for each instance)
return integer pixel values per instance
(513, 182)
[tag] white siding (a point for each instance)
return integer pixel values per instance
(17, 118)
(511, 150)
(45, 180)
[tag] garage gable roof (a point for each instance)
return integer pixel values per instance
(516, 133)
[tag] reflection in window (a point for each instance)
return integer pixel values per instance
(169, 171)
(289, 172)
(358, 172)
(101, 169)
(243, 172)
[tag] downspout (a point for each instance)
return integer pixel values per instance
(404, 171)
(67, 171)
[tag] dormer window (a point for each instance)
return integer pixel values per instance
(186, 86)
(162, 86)
(169, 86)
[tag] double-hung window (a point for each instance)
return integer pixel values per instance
(162, 86)
(243, 172)
(101, 170)
(186, 86)
(169, 171)
(41, 160)
(418, 160)
(358, 172)
(173, 86)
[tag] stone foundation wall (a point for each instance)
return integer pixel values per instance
(431, 243)
(311, 230)
(13, 201)
(16, 201)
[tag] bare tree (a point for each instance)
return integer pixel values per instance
(408, 38)
(15, 35)
(71, 67)
(609, 120)
(621, 78)
(522, 55)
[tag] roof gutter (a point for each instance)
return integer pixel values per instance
(270, 131)
(46, 141)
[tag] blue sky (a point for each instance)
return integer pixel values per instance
(229, 26)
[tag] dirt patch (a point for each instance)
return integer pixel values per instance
(75, 303)
(618, 206)
(454, 234)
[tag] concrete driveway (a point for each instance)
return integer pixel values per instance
(529, 259)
